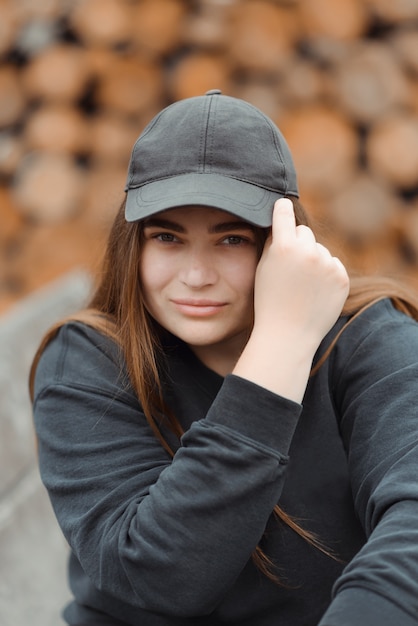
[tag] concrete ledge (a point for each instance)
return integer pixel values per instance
(33, 553)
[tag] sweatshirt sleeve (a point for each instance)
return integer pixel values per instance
(375, 380)
(129, 512)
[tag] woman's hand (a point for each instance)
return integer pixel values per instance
(300, 290)
(299, 285)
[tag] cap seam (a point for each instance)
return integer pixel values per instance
(273, 131)
(144, 133)
(204, 173)
(202, 169)
(209, 145)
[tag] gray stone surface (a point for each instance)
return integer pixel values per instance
(33, 553)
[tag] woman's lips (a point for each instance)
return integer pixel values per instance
(194, 307)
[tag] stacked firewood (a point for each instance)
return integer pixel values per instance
(79, 79)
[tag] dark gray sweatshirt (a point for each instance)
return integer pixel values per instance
(157, 541)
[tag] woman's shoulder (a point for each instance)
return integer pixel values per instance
(77, 353)
(376, 317)
(377, 332)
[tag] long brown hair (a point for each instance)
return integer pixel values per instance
(117, 309)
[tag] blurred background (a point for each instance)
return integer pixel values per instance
(79, 80)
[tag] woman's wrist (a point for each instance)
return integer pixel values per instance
(279, 365)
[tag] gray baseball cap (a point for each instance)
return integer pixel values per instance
(211, 150)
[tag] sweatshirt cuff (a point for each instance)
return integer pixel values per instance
(360, 607)
(256, 413)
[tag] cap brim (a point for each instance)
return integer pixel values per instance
(249, 202)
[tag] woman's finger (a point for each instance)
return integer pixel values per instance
(304, 233)
(324, 250)
(284, 222)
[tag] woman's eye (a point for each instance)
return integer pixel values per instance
(235, 240)
(165, 237)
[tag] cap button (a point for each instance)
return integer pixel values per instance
(213, 92)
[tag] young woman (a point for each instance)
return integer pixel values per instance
(227, 435)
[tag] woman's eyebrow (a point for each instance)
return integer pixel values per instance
(155, 222)
(221, 227)
(224, 227)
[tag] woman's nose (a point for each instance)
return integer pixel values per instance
(198, 271)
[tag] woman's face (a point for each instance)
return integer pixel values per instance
(197, 272)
